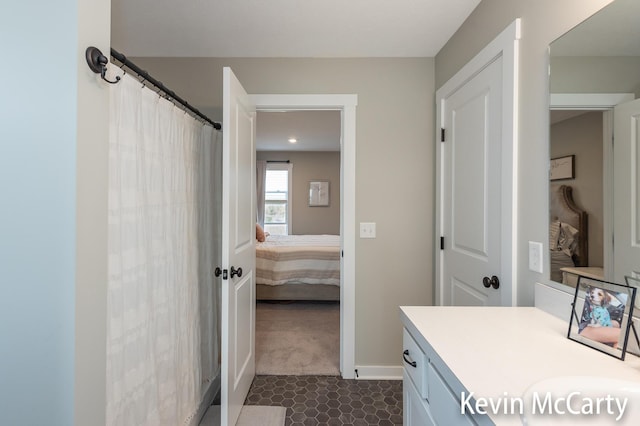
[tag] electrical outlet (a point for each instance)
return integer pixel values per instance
(367, 230)
(535, 256)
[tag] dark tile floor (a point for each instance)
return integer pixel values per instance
(328, 400)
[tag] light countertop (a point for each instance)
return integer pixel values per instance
(493, 350)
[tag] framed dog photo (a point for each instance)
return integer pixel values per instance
(600, 317)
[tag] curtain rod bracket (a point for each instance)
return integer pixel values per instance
(98, 63)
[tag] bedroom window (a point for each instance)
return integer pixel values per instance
(277, 200)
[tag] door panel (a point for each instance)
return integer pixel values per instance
(626, 209)
(243, 350)
(469, 148)
(463, 294)
(238, 248)
(471, 179)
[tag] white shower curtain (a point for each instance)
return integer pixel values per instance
(161, 328)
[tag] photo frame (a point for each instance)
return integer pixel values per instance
(562, 168)
(633, 333)
(601, 315)
(319, 193)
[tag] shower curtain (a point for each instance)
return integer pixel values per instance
(164, 229)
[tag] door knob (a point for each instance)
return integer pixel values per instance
(218, 271)
(235, 272)
(491, 282)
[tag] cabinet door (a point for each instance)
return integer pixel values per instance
(446, 405)
(416, 409)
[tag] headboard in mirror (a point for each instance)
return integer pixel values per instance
(595, 62)
(568, 232)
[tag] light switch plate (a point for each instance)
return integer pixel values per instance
(367, 230)
(535, 256)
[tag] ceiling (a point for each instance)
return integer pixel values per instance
(314, 131)
(285, 28)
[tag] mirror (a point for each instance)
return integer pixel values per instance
(593, 68)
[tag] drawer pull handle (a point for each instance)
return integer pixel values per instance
(404, 356)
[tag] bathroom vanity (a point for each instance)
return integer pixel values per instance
(496, 354)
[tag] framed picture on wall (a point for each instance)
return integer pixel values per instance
(562, 168)
(319, 193)
(600, 315)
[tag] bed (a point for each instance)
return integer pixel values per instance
(568, 235)
(298, 267)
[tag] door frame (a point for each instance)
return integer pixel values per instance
(604, 102)
(346, 103)
(506, 44)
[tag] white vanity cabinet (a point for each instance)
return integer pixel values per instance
(497, 354)
(431, 392)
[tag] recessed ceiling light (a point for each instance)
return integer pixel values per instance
(293, 140)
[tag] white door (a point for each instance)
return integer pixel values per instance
(626, 178)
(471, 191)
(476, 179)
(238, 248)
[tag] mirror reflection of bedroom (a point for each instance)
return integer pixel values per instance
(298, 243)
(576, 195)
(594, 86)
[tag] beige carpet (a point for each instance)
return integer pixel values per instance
(251, 415)
(300, 339)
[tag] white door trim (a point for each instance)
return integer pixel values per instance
(506, 44)
(347, 104)
(588, 101)
(604, 102)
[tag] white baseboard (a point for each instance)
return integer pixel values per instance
(379, 372)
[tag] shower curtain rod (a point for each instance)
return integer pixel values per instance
(145, 75)
(98, 63)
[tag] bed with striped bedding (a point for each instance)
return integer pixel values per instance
(298, 259)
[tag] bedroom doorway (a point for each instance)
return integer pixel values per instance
(298, 261)
(575, 106)
(343, 107)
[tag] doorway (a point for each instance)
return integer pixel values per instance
(298, 258)
(602, 103)
(346, 105)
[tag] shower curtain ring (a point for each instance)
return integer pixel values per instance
(98, 63)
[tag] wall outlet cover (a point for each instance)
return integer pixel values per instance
(535, 256)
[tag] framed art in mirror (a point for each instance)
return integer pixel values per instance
(562, 168)
(601, 317)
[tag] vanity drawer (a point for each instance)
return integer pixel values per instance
(415, 364)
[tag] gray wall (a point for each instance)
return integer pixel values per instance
(542, 22)
(53, 168)
(310, 166)
(394, 169)
(582, 136)
(595, 74)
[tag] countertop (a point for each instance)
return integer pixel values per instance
(502, 351)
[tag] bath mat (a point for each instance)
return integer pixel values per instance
(251, 415)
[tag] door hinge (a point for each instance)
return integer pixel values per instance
(441, 243)
(341, 253)
(442, 134)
